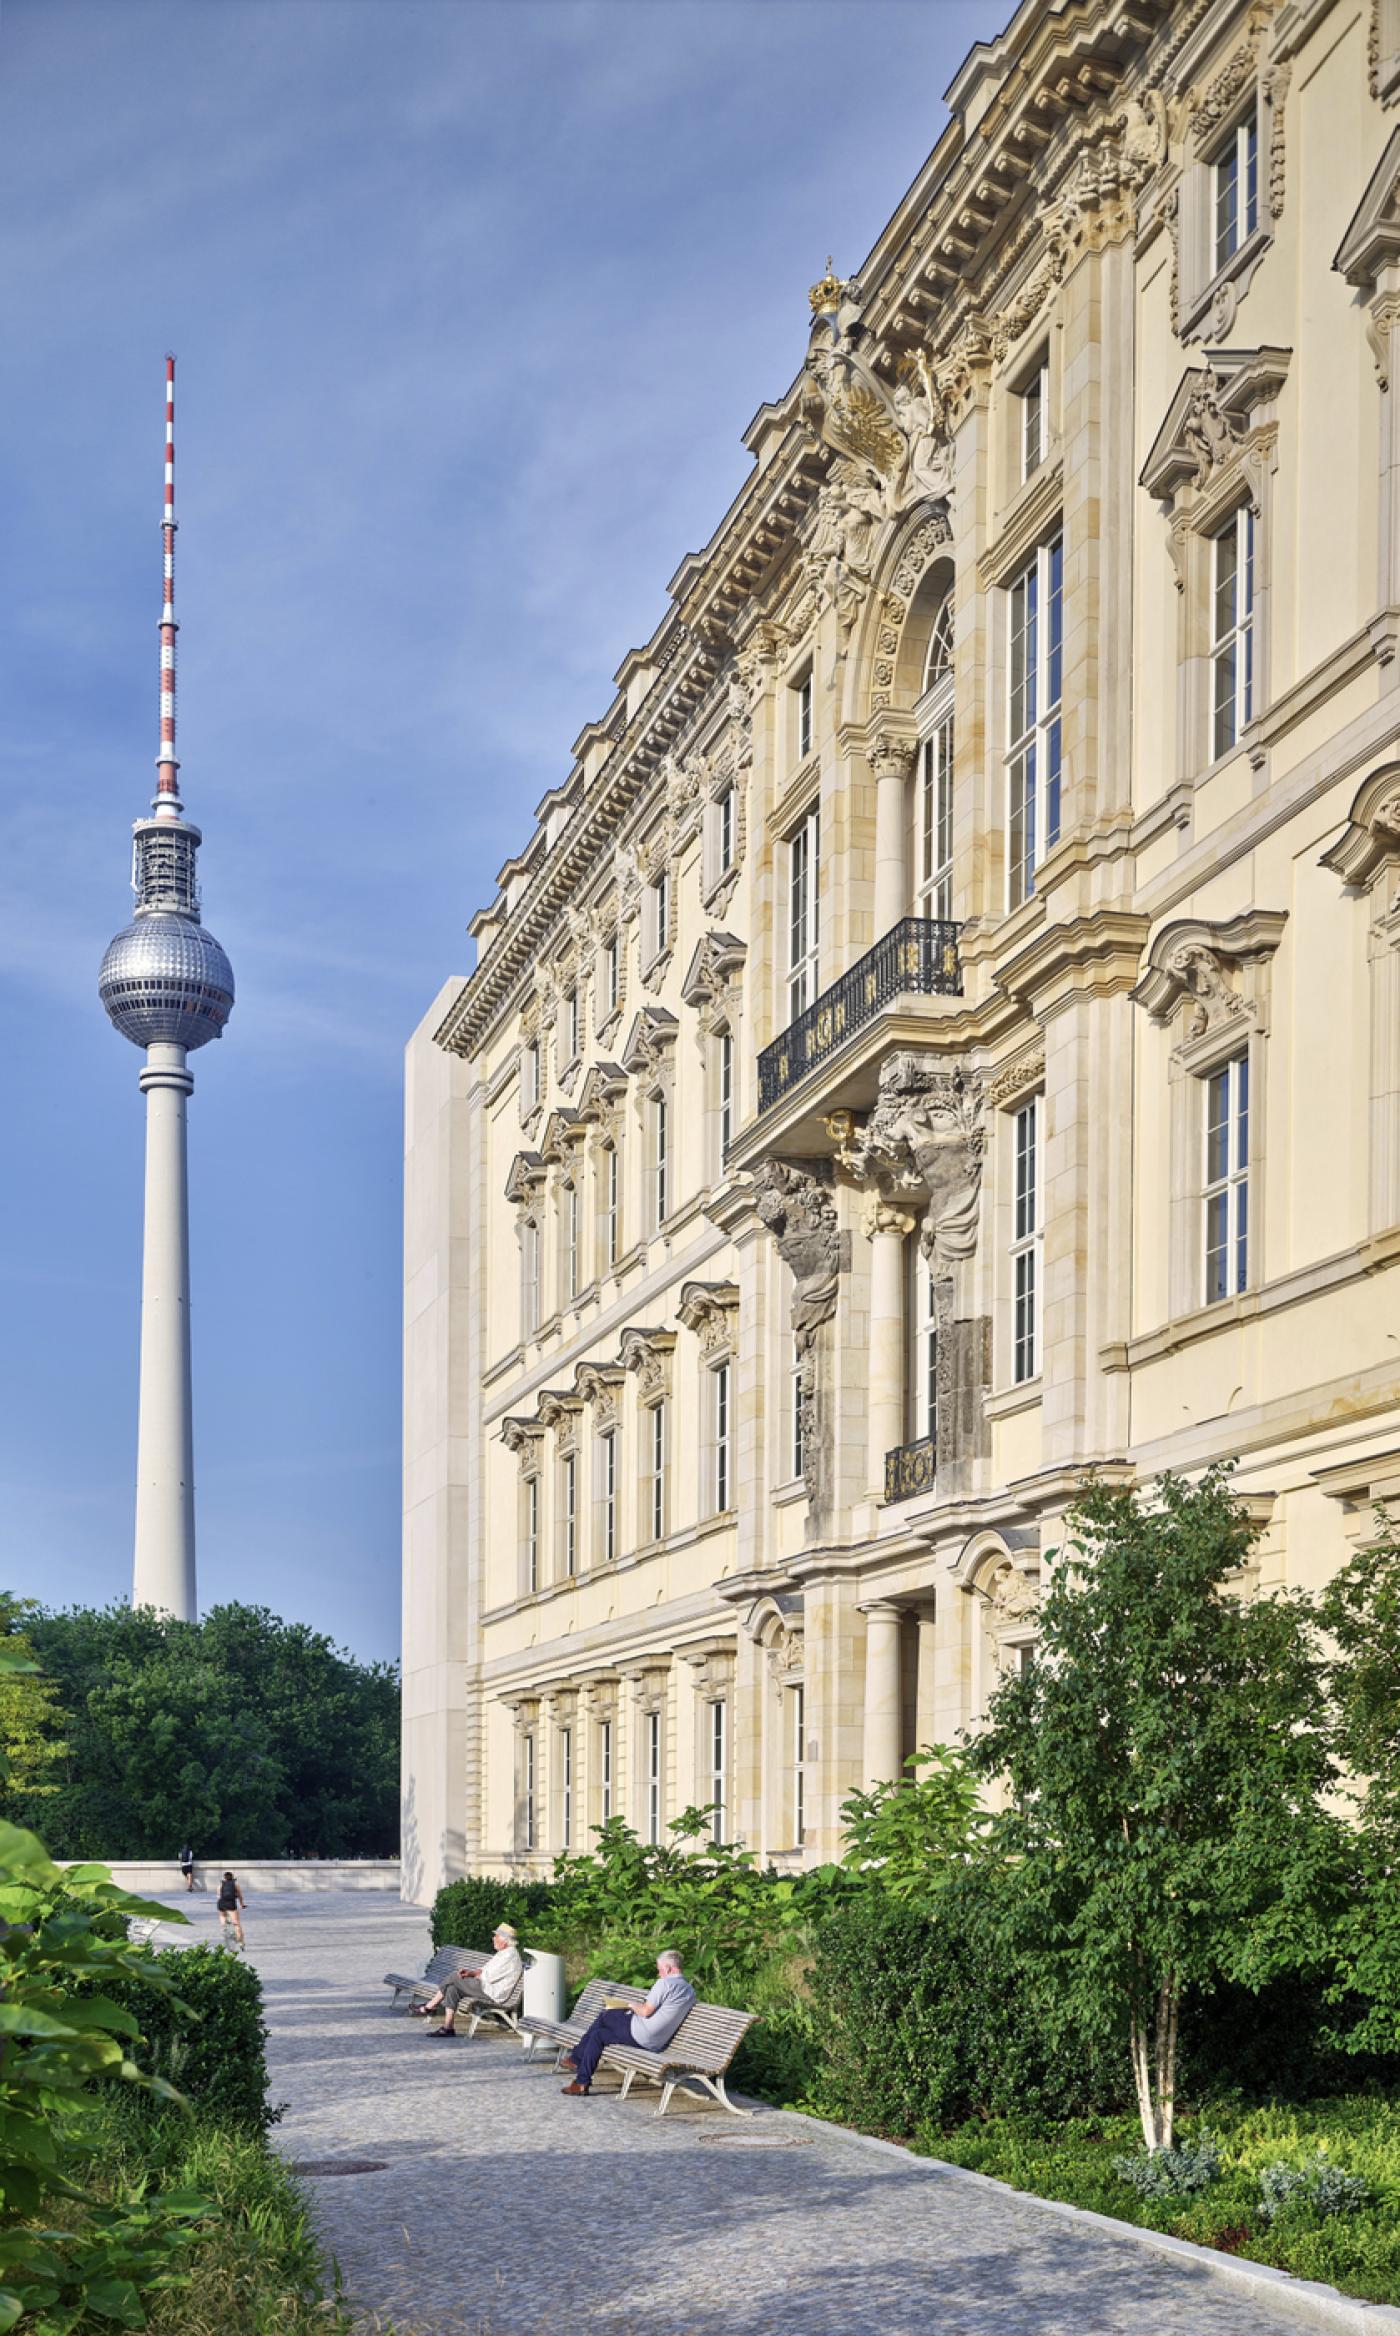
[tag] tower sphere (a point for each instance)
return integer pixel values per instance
(165, 980)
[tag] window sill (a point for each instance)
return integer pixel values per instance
(1214, 307)
(794, 1489)
(1293, 1289)
(1007, 1401)
(795, 798)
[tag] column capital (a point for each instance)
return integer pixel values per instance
(891, 745)
(880, 1215)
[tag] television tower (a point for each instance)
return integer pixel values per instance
(168, 987)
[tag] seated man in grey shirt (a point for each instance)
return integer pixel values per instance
(652, 2027)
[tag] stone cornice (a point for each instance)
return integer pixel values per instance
(1094, 955)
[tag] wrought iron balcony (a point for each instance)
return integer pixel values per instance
(909, 1469)
(918, 954)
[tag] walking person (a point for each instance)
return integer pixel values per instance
(187, 1867)
(654, 2025)
(230, 1904)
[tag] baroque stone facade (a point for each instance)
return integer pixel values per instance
(943, 1032)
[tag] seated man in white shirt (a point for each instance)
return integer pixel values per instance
(494, 1983)
(652, 2027)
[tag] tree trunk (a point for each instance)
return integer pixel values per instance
(1154, 2066)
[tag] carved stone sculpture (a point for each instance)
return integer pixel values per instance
(798, 1212)
(927, 1133)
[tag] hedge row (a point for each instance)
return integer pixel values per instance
(466, 1913)
(208, 2038)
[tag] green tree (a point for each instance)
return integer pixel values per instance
(31, 1716)
(1167, 1758)
(246, 1735)
(1360, 1611)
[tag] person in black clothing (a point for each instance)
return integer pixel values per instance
(230, 1903)
(187, 1867)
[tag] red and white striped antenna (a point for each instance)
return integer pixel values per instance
(167, 800)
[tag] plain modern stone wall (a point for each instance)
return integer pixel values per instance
(261, 1875)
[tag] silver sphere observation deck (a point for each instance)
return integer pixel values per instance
(165, 981)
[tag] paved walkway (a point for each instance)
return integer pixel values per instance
(502, 2210)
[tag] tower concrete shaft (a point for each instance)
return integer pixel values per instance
(164, 1572)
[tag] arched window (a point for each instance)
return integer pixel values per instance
(934, 813)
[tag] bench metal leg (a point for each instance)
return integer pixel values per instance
(627, 2076)
(717, 2087)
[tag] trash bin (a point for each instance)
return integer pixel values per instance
(544, 1987)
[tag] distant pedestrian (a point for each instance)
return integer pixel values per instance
(187, 1867)
(230, 1904)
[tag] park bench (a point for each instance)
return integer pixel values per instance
(445, 1964)
(699, 2053)
(563, 2034)
(507, 2013)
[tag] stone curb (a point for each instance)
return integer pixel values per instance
(1307, 2300)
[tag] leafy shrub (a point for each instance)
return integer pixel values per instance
(465, 1913)
(934, 2015)
(202, 2029)
(1172, 2173)
(913, 1833)
(1321, 2188)
(61, 1969)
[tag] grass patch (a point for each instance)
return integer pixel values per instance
(1358, 2252)
(256, 2267)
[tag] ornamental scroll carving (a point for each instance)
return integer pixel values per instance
(797, 1210)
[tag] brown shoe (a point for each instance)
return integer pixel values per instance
(568, 2063)
(581, 2090)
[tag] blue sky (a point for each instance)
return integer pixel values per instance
(471, 304)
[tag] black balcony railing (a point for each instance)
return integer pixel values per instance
(909, 1469)
(918, 954)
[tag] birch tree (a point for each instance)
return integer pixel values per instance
(1166, 1760)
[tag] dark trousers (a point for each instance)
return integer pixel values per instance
(608, 2028)
(463, 1991)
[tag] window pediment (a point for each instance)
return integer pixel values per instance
(1207, 425)
(526, 1176)
(648, 1353)
(1371, 839)
(562, 1130)
(718, 957)
(601, 1090)
(1211, 971)
(1372, 239)
(652, 1033)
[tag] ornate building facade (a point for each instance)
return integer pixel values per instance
(942, 1033)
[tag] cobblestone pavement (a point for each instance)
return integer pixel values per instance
(503, 2210)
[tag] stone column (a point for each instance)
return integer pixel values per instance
(891, 760)
(926, 1700)
(886, 1228)
(884, 1731)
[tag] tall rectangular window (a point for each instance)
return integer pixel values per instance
(1225, 1196)
(1236, 207)
(573, 1025)
(923, 1379)
(719, 1769)
(660, 1160)
(532, 1533)
(568, 1515)
(720, 1399)
(568, 1242)
(529, 1279)
(797, 1454)
(612, 1205)
(799, 1765)
(936, 820)
(802, 712)
(611, 975)
(1034, 403)
(724, 833)
(605, 1771)
(803, 914)
(530, 1076)
(1025, 1241)
(655, 1489)
(1035, 672)
(1232, 629)
(566, 1786)
(658, 915)
(528, 1788)
(725, 1071)
(653, 1776)
(607, 1495)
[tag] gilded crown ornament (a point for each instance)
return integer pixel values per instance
(826, 296)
